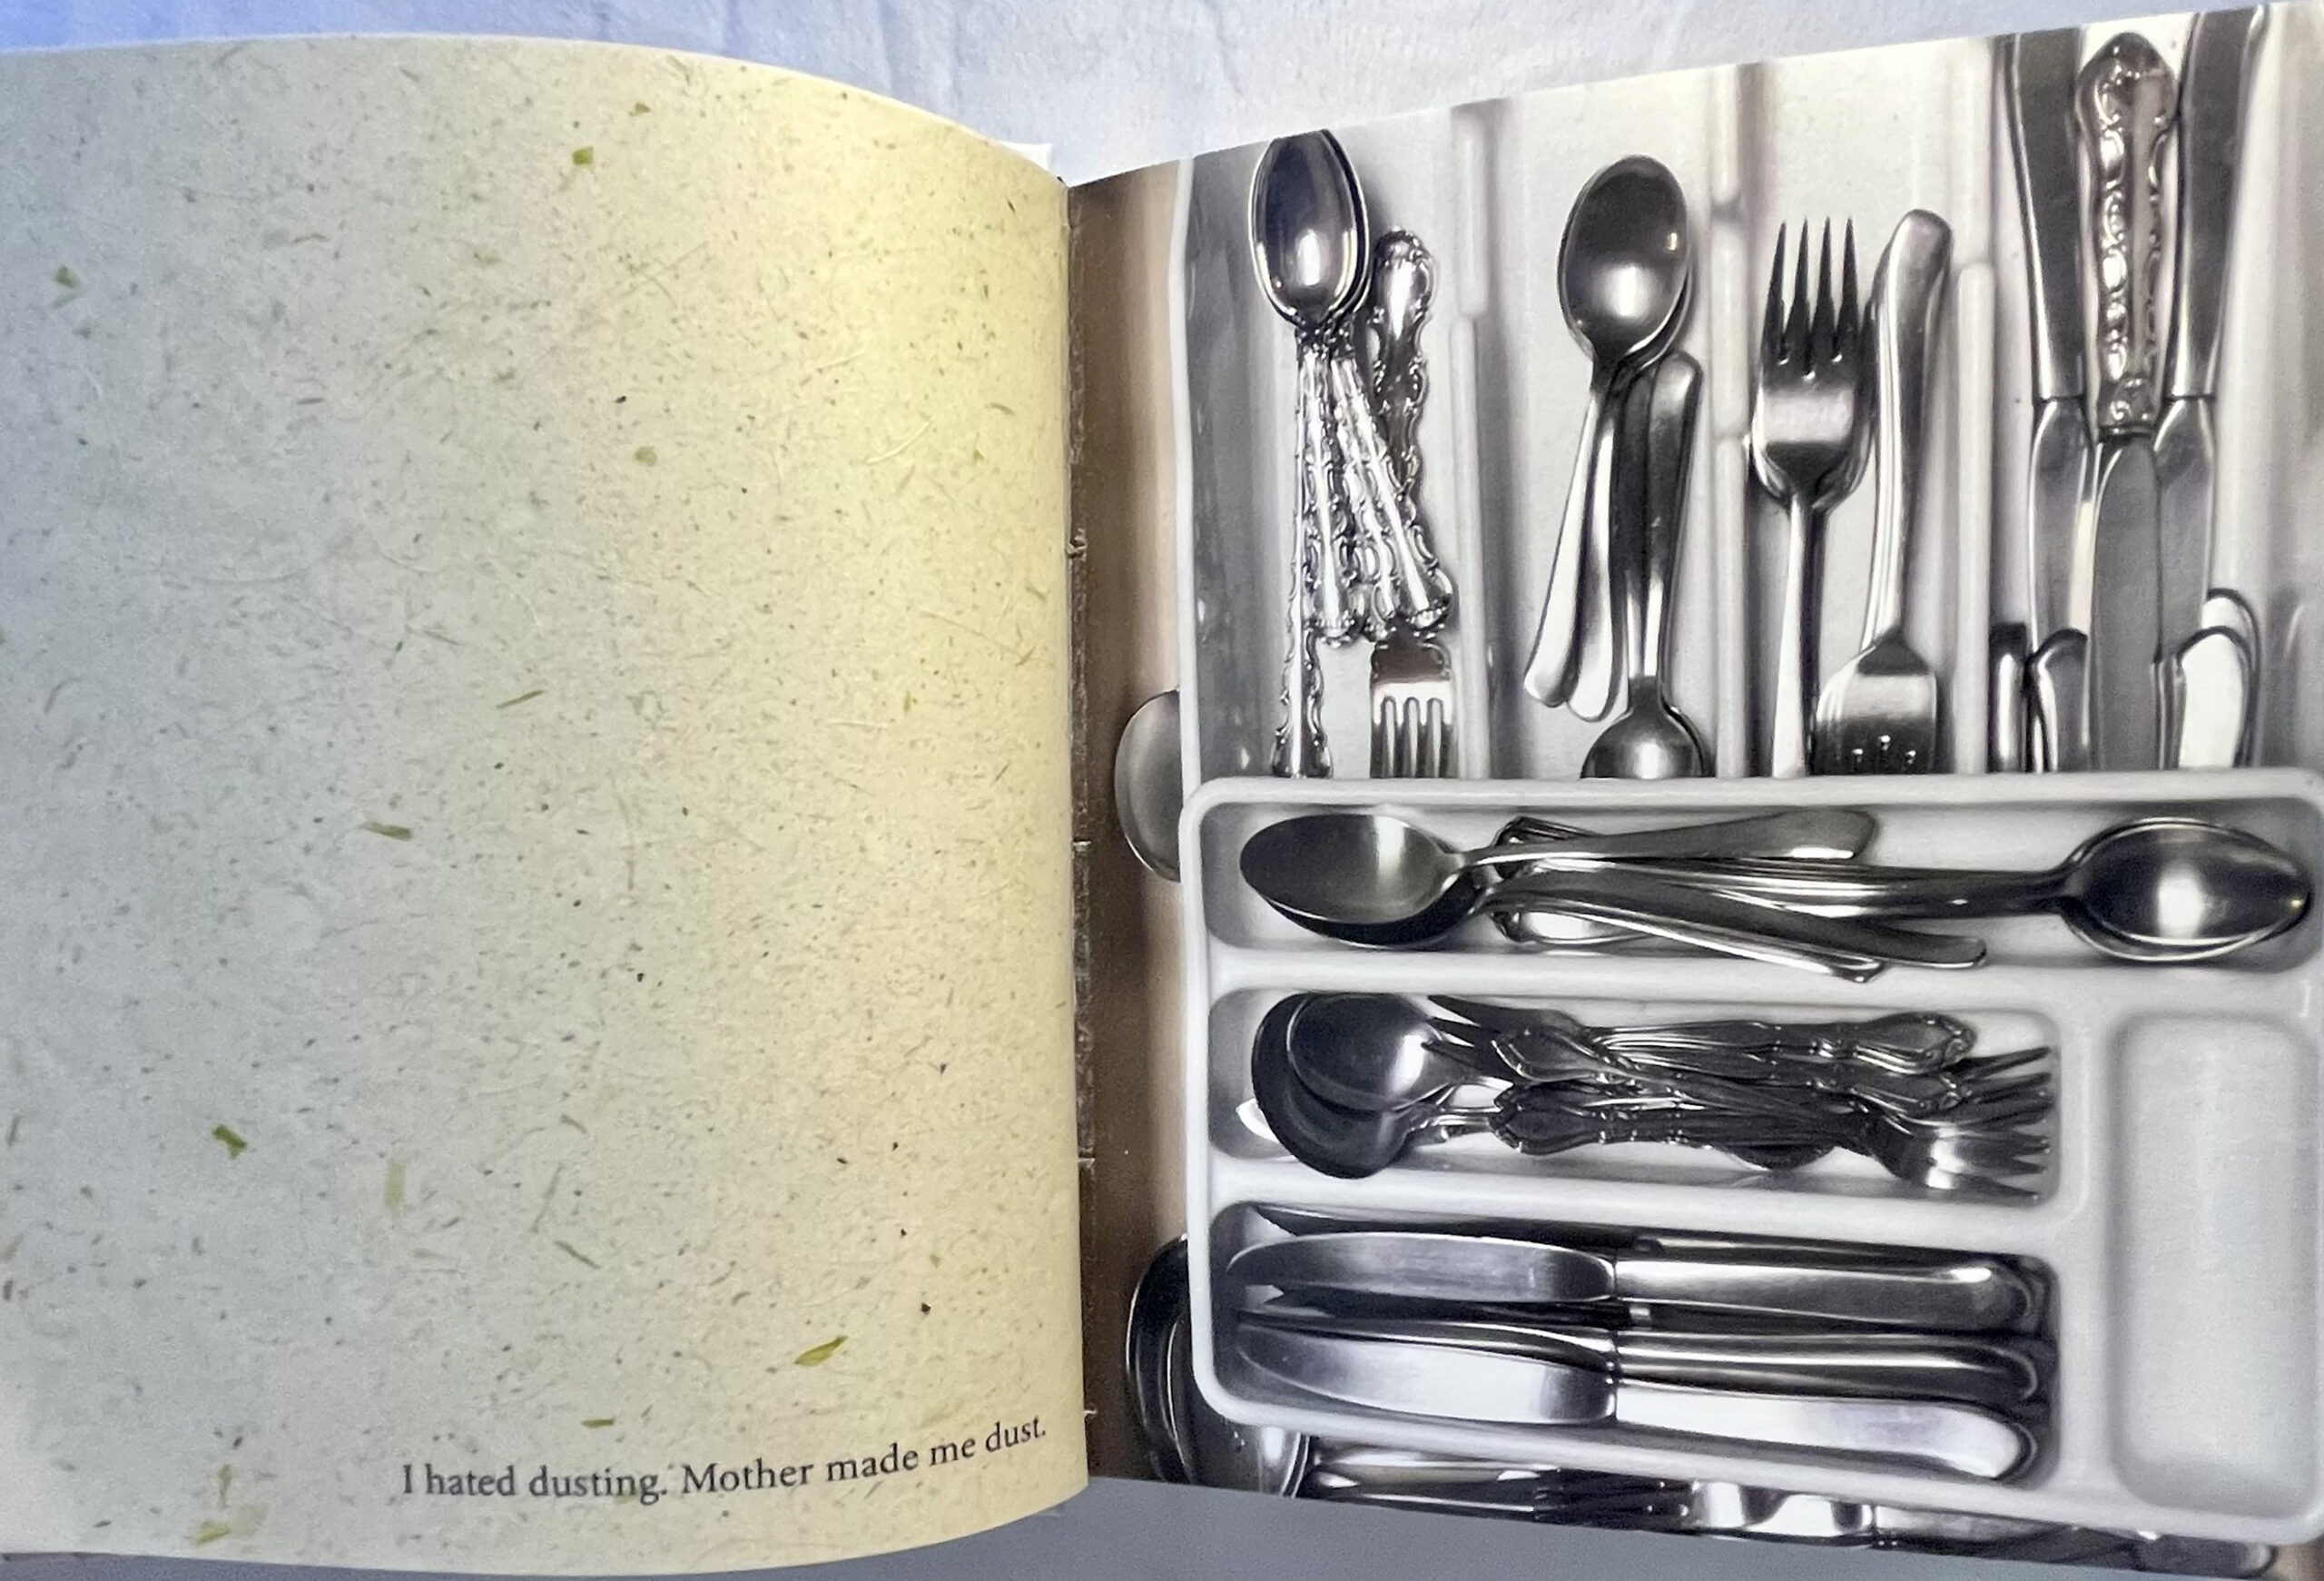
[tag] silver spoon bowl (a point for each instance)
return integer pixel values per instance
(1311, 239)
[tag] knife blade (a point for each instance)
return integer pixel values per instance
(2038, 83)
(1447, 1382)
(1956, 1295)
(2125, 101)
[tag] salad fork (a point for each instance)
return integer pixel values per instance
(1808, 438)
(1879, 714)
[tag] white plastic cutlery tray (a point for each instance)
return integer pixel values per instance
(2181, 1213)
(2179, 1222)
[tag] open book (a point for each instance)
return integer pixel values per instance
(574, 996)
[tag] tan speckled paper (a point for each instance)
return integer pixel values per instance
(534, 874)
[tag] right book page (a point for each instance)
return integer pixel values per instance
(1871, 486)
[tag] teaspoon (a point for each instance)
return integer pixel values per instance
(1652, 740)
(1624, 270)
(1366, 878)
(2153, 890)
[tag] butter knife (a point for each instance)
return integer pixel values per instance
(1867, 1363)
(2206, 669)
(2125, 104)
(1961, 1295)
(1450, 1383)
(2038, 81)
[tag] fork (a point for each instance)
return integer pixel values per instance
(1808, 433)
(1878, 715)
(1411, 709)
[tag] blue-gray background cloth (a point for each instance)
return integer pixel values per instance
(1108, 85)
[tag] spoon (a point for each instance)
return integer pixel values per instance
(1149, 785)
(1623, 269)
(2153, 890)
(1347, 1144)
(1311, 245)
(1307, 865)
(1377, 1051)
(1186, 1441)
(1556, 931)
(1652, 740)
(1367, 878)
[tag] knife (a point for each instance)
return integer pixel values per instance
(2058, 680)
(1448, 1382)
(2211, 132)
(1960, 1295)
(2124, 104)
(2038, 78)
(1881, 1364)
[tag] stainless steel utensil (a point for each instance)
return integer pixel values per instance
(1624, 267)
(2156, 890)
(1411, 709)
(1652, 740)
(1412, 589)
(1371, 879)
(1909, 1043)
(1310, 245)
(1858, 1363)
(1451, 1382)
(2220, 47)
(1961, 1295)
(1878, 715)
(1186, 1440)
(2043, 578)
(1149, 786)
(1808, 431)
(1411, 677)
(2058, 676)
(2207, 714)
(2008, 733)
(1560, 931)
(2124, 105)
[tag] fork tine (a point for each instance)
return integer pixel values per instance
(1823, 342)
(1795, 328)
(1851, 323)
(1771, 332)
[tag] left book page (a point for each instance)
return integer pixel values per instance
(536, 977)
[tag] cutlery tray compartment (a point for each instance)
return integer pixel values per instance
(1861, 138)
(2177, 1217)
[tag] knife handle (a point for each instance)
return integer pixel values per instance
(2211, 145)
(1885, 1365)
(1908, 297)
(2124, 100)
(1958, 1438)
(2207, 701)
(1968, 1295)
(2060, 672)
(2006, 722)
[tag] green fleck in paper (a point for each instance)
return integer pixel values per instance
(646, 455)
(394, 1192)
(392, 831)
(584, 156)
(210, 1532)
(232, 1142)
(66, 278)
(520, 698)
(817, 1355)
(597, 1421)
